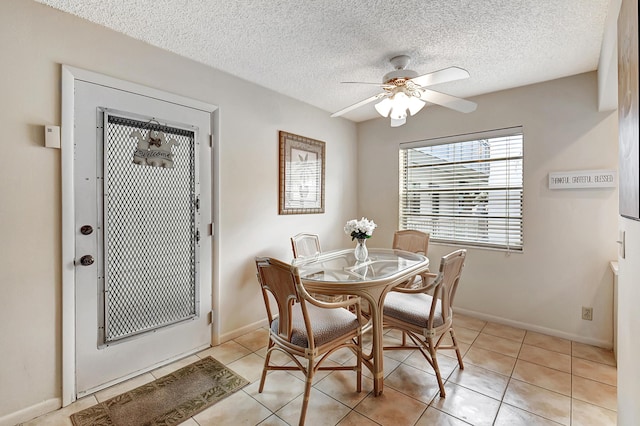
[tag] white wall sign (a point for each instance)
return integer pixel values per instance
(583, 179)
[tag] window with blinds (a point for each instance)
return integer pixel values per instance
(465, 189)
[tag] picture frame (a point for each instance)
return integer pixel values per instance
(301, 174)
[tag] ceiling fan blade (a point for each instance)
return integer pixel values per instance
(359, 104)
(458, 104)
(383, 85)
(442, 76)
(362, 82)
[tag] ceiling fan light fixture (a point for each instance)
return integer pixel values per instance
(397, 114)
(397, 122)
(400, 105)
(384, 107)
(396, 107)
(415, 105)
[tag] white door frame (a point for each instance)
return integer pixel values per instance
(69, 77)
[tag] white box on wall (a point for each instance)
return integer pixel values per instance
(52, 136)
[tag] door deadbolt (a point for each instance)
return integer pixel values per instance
(86, 260)
(86, 230)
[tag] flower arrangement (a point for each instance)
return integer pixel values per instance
(359, 229)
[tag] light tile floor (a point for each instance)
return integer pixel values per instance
(511, 377)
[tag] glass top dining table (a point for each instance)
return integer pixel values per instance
(337, 272)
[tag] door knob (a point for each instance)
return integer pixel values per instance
(86, 260)
(86, 230)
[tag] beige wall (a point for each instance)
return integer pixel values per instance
(35, 40)
(569, 235)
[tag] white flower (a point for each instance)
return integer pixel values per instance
(362, 228)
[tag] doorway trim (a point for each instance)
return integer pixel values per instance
(69, 77)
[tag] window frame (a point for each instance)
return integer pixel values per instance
(504, 232)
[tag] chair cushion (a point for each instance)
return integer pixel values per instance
(327, 324)
(412, 308)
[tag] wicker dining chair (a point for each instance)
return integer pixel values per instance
(305, 328)
(426, 319)
(305, 244)
(415, 242)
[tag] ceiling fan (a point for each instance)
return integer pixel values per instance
(404, 90)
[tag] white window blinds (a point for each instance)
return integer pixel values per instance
(465, 189)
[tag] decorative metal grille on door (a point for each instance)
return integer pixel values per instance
(150, 225)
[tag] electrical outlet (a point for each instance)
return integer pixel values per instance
(587, 313)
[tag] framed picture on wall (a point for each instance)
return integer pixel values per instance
(301, 178)
(629, 150)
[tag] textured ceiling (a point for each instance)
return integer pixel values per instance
(305, 48)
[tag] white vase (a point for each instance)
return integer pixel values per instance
(361, 253)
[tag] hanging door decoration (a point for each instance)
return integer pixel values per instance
(153, 149)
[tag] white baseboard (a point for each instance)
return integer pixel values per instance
(243, 330)
(32, 412)
(479, 315)
(526, 326)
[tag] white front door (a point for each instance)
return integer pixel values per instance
(142, 172)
